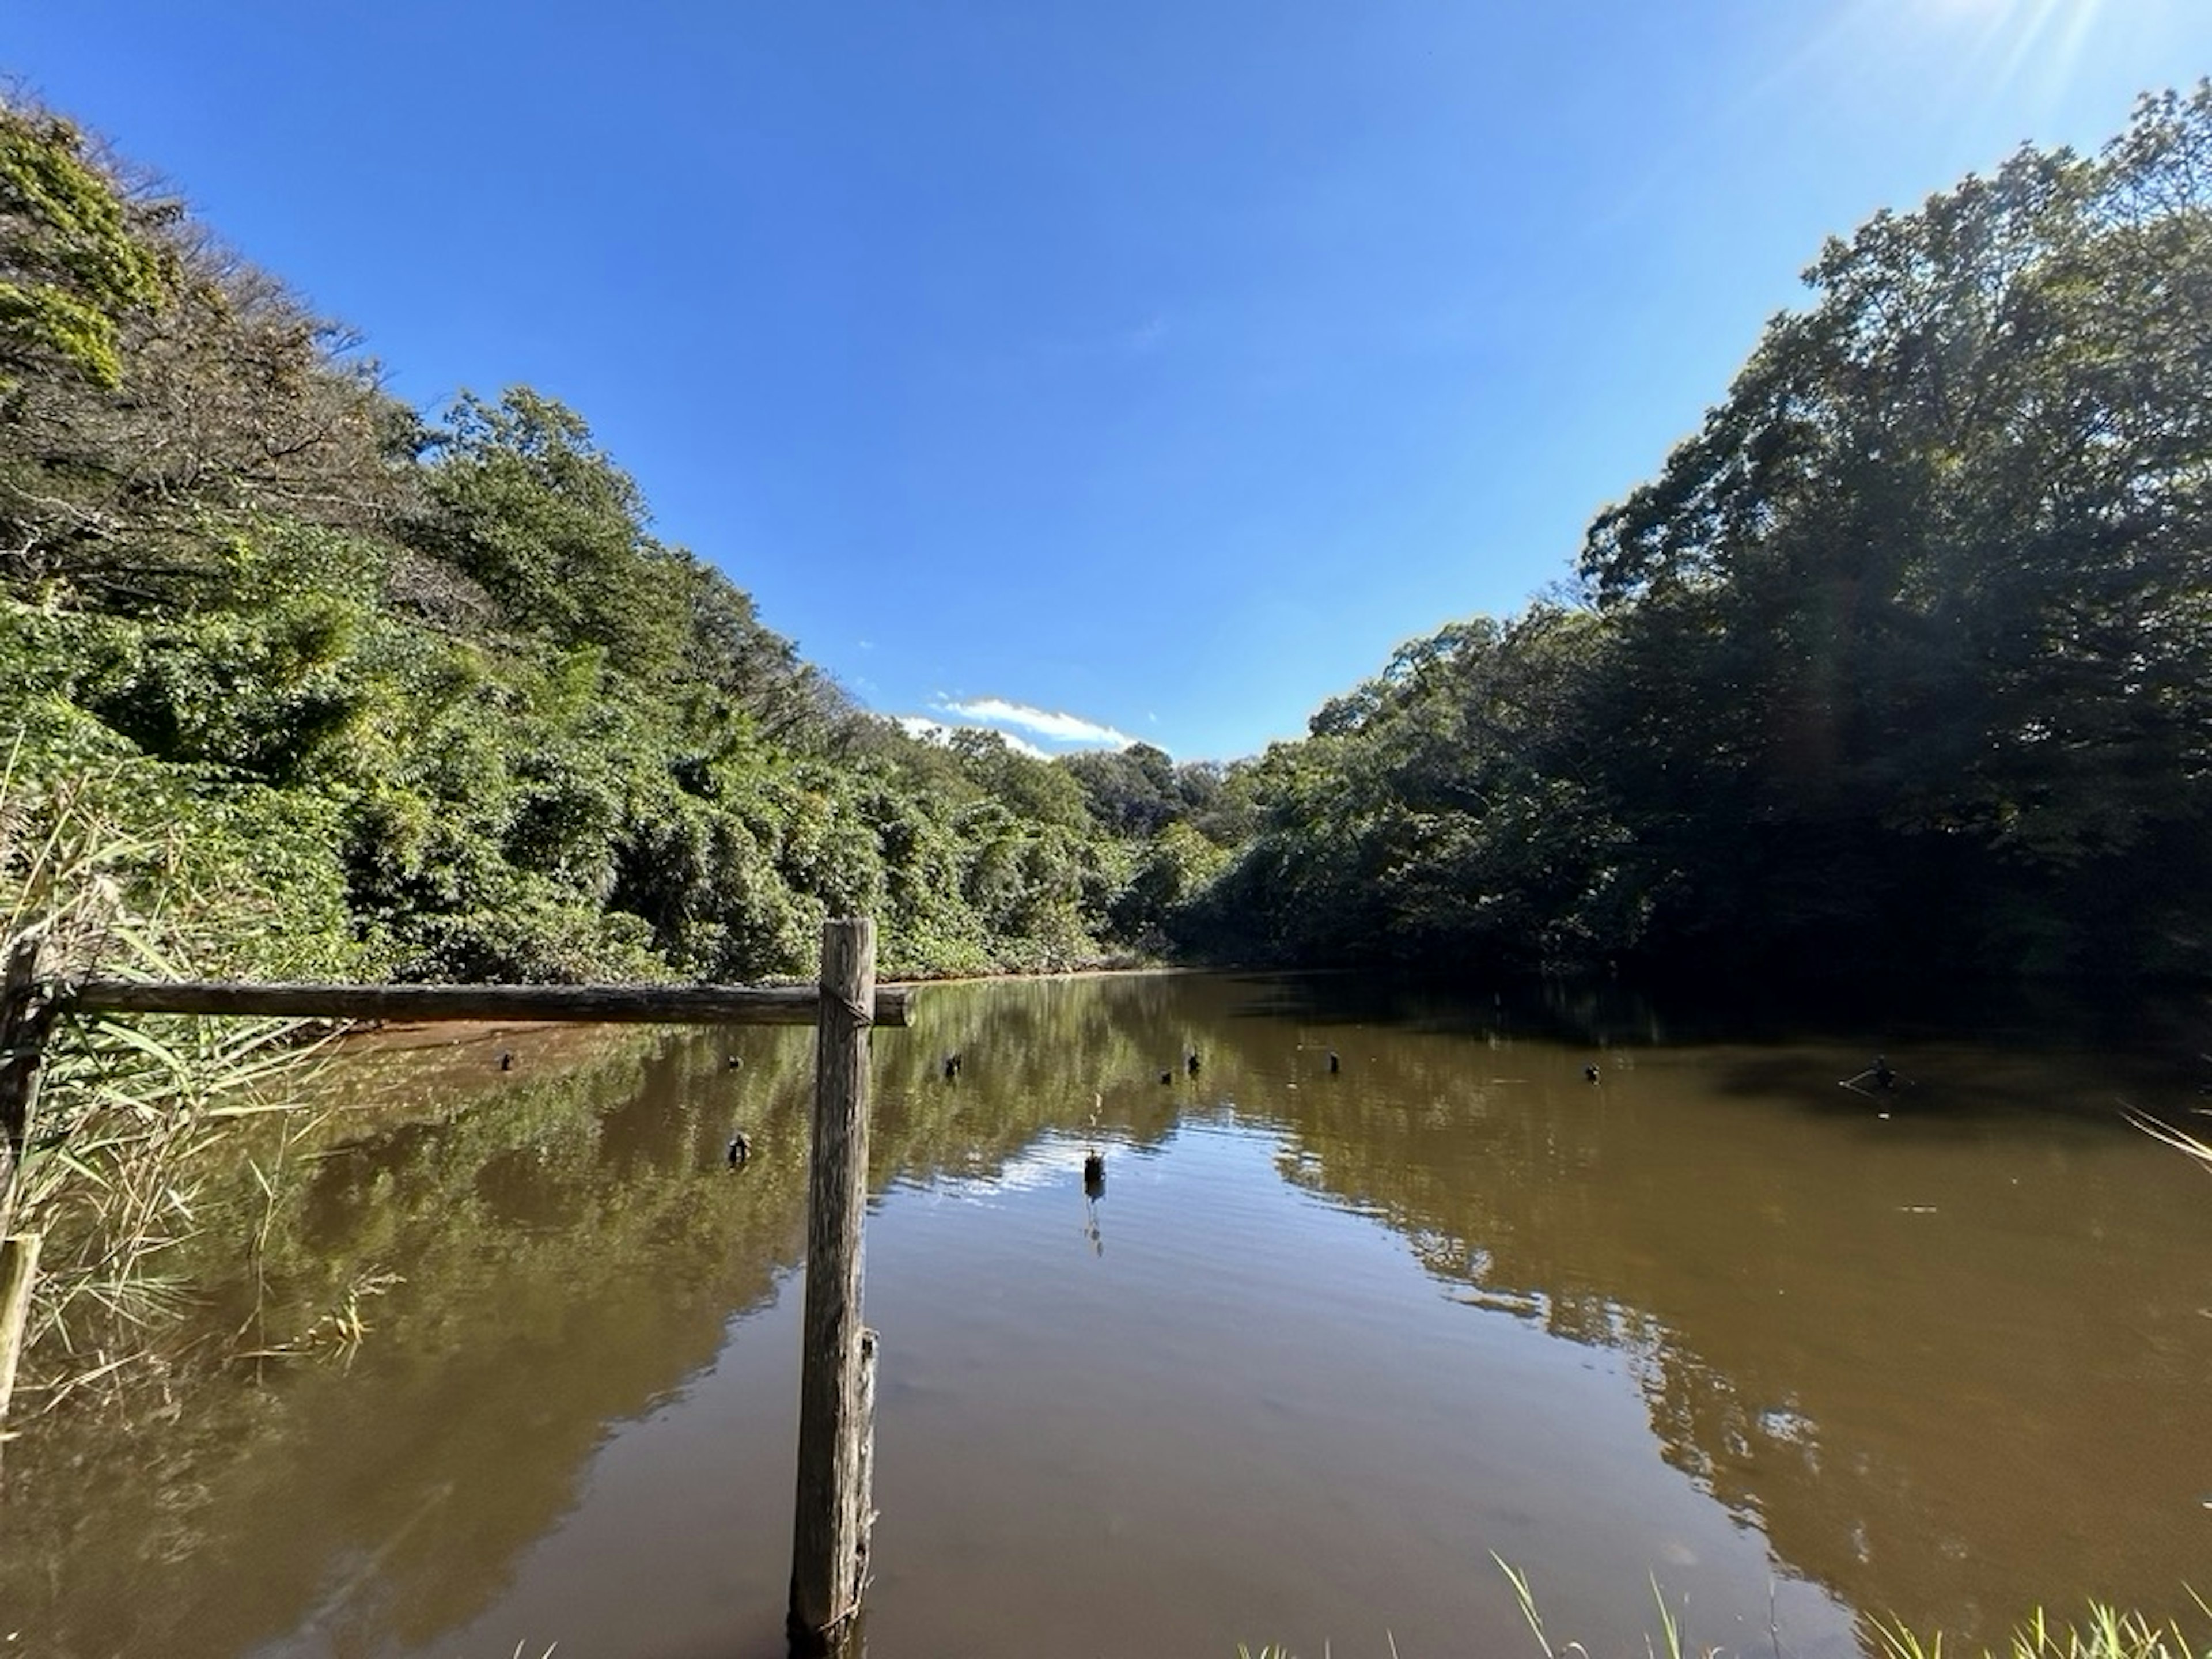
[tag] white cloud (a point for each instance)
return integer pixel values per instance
(1060, 728)
(932, 730)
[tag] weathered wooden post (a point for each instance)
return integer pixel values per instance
(25, 1014)
(19, 1271)
(837, 1391)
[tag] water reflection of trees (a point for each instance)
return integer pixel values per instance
(574, 1248)
(526, 1228)
(1761, 1247)
(570, 1248)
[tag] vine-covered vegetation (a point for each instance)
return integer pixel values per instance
(432, 687)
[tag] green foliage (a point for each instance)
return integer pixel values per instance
(1922, 609)
(525, 503)
(1905, 657)
(1029, 787)
(1134, 791)
(1173, 870)
(234, 413)
(1452, 804)
(129, 873)
(2109, 1632)
(45, 319)
(69, 263)
(430, 696)
(1905, 661)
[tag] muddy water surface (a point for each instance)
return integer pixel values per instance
(1327, 1341)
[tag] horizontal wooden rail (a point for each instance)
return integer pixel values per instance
(630, 1004)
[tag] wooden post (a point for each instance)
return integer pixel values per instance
(19, 1268)
(26, 1012)
(864, 1459)
(830, 1529)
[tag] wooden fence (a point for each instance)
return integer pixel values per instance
(833, 1509)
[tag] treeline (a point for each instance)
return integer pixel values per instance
(424, 696)
(1903, 662)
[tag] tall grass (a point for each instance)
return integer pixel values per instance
(1670, 1641)
(2176, 1138)
(132, 1112)
(2108, 1633)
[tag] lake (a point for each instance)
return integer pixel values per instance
(1326, 1342)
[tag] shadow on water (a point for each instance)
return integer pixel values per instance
(1960, 1051)
(1936, 1362)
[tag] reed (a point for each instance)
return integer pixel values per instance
(132, 1113)
(1670, 1637)
(2108, 1633)
(2180, 1140)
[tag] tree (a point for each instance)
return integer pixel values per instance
(443, 669)
(215, 400)
(1029, 787)
(71, 265)
(1917, 632)
(1452, 804)
(1131, 791)
(524, 501)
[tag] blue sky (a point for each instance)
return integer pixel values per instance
(1160, 366)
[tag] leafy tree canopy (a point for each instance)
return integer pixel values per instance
(70, 264)
(1904, 656)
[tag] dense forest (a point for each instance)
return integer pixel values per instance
(1902, 662)
(1905, 659)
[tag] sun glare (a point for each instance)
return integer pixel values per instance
(1998, 48)
(2047, 33)
(1991, 54)
(2050, 36)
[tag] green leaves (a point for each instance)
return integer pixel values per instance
(1905, 660)
(528, 506)
(1923, 604)
(70, 265)
(430, 695)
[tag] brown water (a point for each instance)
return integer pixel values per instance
(1326, 1343)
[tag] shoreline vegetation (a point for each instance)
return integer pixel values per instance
(1903, 664)
(2103, 1633)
